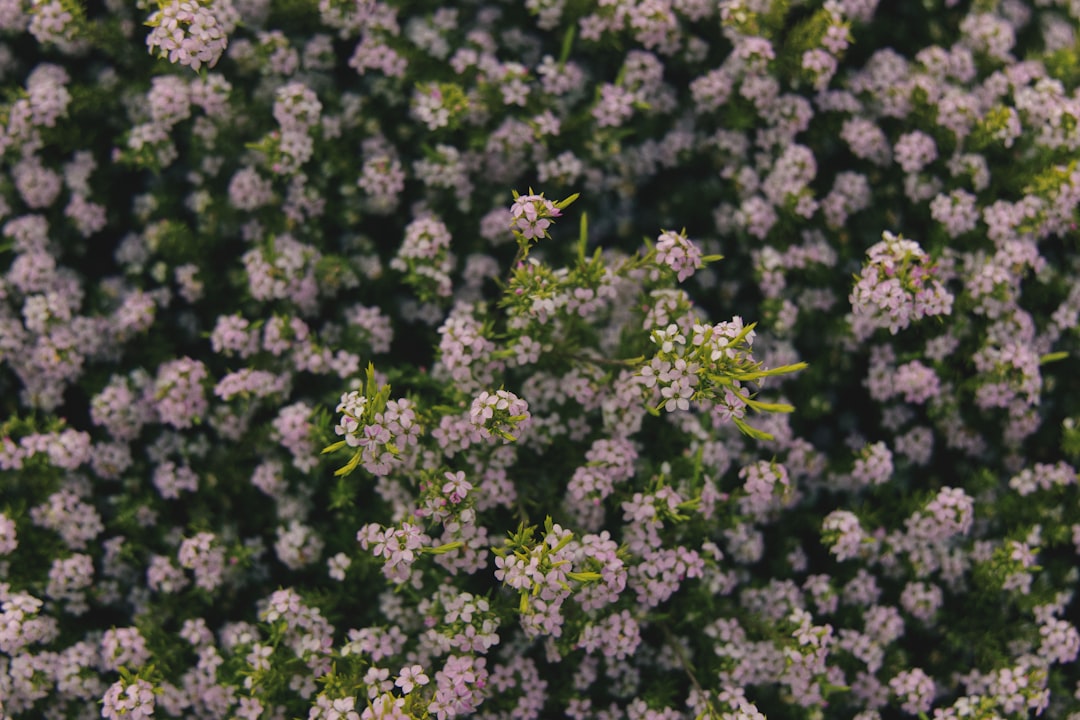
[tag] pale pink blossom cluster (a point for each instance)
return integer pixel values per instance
(897, 287)
(192, 32)
(530, 216)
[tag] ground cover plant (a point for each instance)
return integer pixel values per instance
(641, 359)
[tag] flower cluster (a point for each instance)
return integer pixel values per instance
(896, 288)
(540, 571)
(192, 32)
(424, 255)
(499, 414)
(531, 215)
(134, 701)
(380, 429)
(677, 252)
(710, 365)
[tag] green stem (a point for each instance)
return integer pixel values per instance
(685, 663)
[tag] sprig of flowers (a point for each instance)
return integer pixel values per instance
(379, 428)
(710, 366)
(194, 33)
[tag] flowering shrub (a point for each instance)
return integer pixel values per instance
(351, 366)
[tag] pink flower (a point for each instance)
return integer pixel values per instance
(410, 677)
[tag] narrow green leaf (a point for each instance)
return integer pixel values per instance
(584, 577)
(583, 234)
(751, 431)
(369, 388)
(334, 447)
(768, 407)
(1052, 357)
(349, 466)
(567, 45)
(567, 201)
(443, 549)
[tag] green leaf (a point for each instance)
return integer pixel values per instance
(567, 45)
(768, 407)
(443, 549)
(567, 201)
(349, 466)
(334, 447)
(758, 374)
(370, 388)
(751, 432)
(583, 235)
(1052, 357)
(584, 577)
